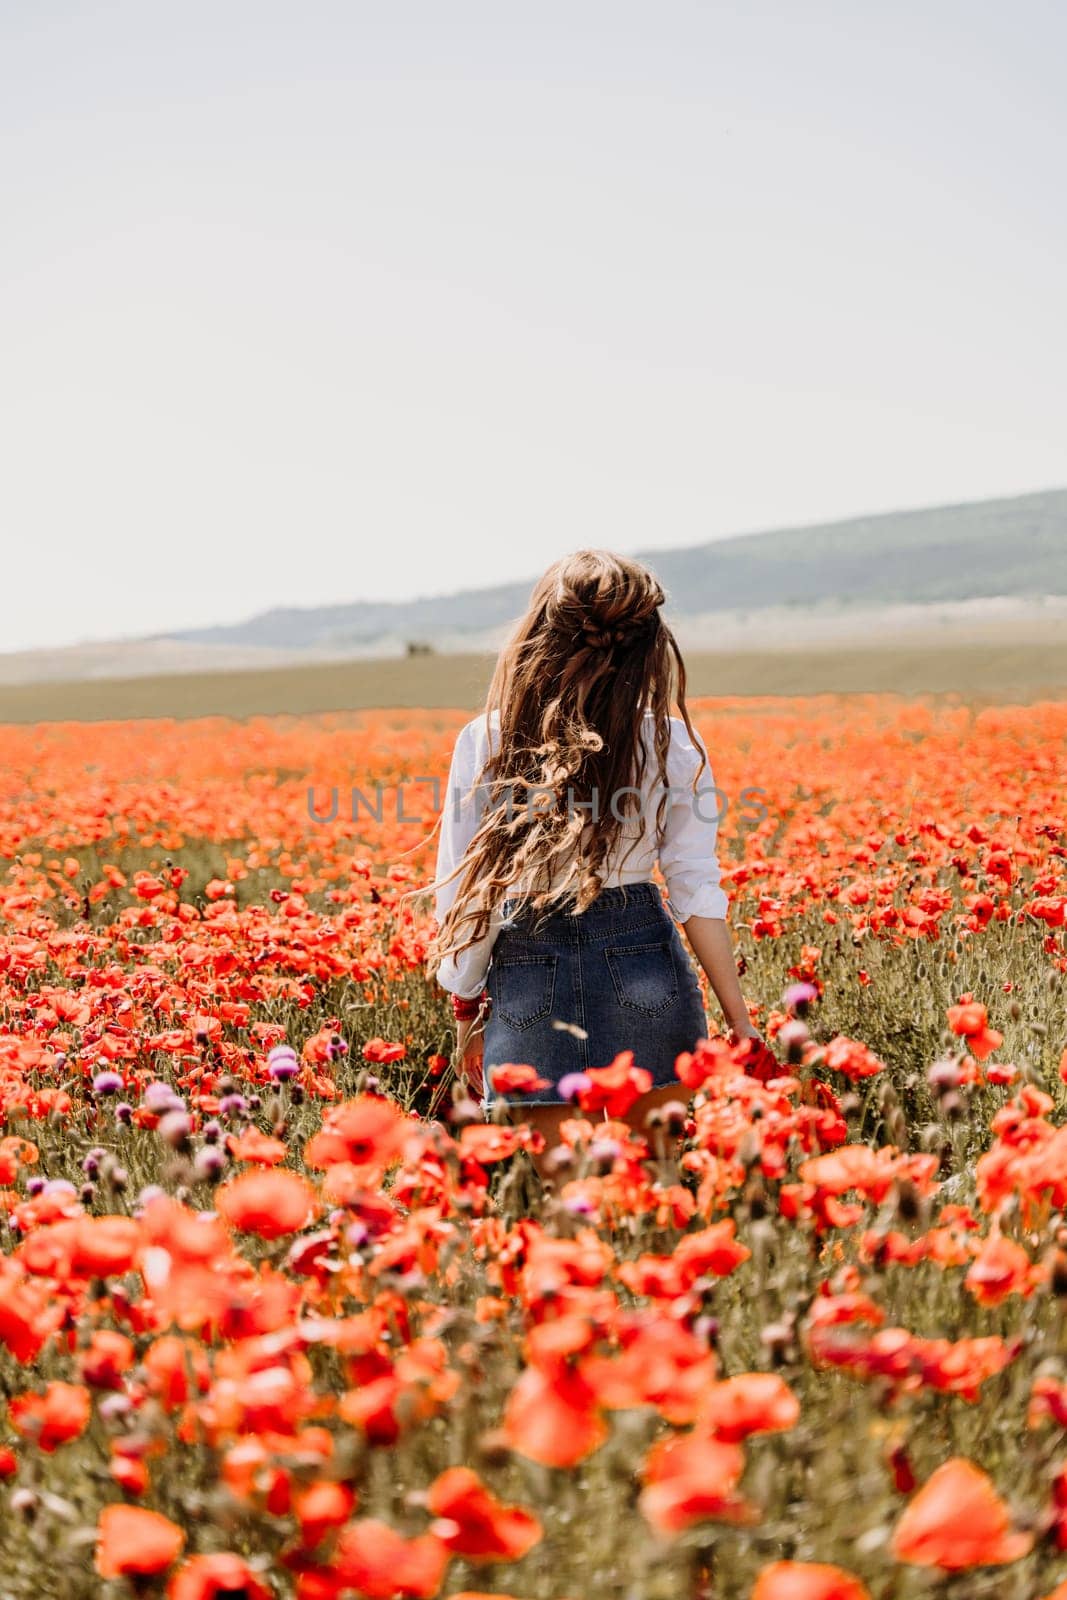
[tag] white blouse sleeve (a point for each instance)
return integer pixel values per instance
(687, 847)
(463, 973)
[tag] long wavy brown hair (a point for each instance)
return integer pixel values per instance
(571, 687)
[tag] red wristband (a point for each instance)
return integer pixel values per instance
(465, 1008)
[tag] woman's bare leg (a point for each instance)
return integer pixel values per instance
(662, 1143)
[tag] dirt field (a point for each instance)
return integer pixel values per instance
(995, 670)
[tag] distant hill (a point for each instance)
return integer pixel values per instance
(1015, 547)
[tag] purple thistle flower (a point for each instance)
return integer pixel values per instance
(282, 1063)
(799, 995)
(159, 1098)
(115, 1405)
(107, 1083)
(174, 1128)
(59, 1186)
(210, 1163)
(572, 1084)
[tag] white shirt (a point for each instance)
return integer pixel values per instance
(685, 849)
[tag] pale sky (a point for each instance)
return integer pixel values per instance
(356, 299)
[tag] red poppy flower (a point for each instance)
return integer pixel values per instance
(62, 1412)
(27, 1320)
(851, 1058)
(1001, 1268)
(271, 1203)
(486, 1142)
(223, 1576)
(322, 1507)
(1048, 1399)
(511, 1078)
(129, 1472)
(367, 1132)
(474, 1524)
(807, 1580)
(176, 1369)
(133, 1542)
(614, 1088)
(107, 1356)
(553, 1417)
(970, 1021)
(381, 1051)
(257, 1147)
(958, 1520)
(751, 1402)
(662, 1364)
(692, 1478)
(379, 1563)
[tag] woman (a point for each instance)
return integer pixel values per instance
(563, 796)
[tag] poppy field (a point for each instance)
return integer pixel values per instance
(281, 1315)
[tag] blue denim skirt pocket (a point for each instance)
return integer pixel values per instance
(524, 987)
(645, 976)
(572, 990)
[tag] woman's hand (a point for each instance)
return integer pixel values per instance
(744, 1030)
(470, 1056)
(756, 1058)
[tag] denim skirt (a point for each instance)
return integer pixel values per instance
(573, 991)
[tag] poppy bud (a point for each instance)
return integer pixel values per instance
(603, 1154)
(904, 1479)
(675, 1116)
(793, 1036)
(1058, 1273)
(778, 1338)
(952, 1106)
(493, 1448)
(559, 1160)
